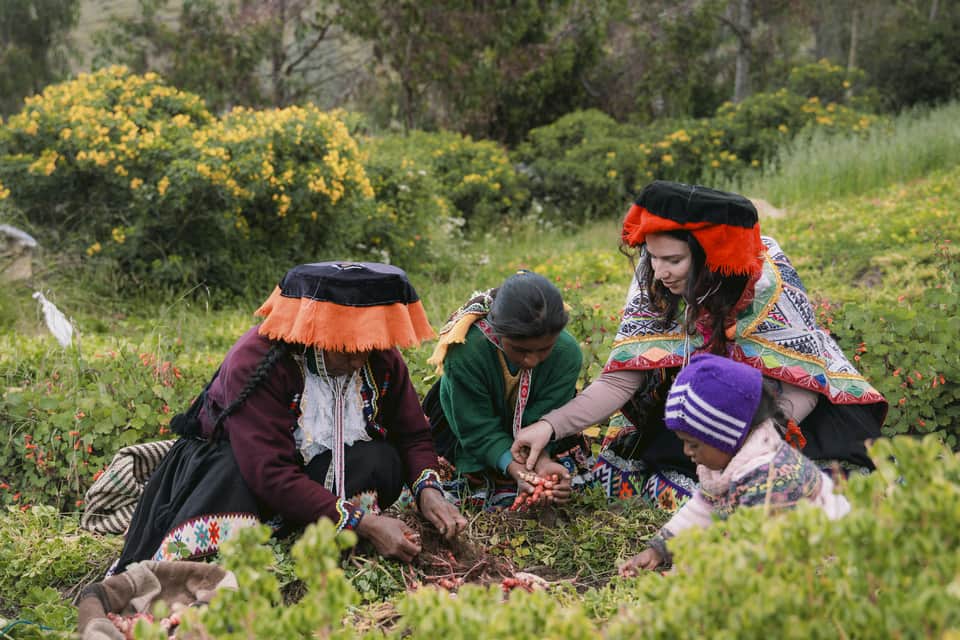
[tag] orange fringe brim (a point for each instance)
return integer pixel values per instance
(337, 327)
(730, 249)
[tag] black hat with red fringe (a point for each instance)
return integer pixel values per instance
(725, 224)
(345, 306)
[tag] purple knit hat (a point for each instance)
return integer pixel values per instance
(714, 400)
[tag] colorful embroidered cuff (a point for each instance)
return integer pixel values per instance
(350, 515)
(429, 478)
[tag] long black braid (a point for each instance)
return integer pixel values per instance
(277, 351)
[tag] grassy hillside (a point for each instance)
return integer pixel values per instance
(879, 256)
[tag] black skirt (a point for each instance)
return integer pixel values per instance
(196, 498)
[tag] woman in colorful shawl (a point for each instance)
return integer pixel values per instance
(708, 282)
(311, 415)
(504, 359)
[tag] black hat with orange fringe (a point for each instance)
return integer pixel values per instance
(345, 306)
(725, 224)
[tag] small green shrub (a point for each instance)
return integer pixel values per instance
(476, 178)
(45, 558)
(832, 83)
(581, 167)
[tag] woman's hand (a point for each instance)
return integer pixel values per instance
(391, 537)
(530, 442)
(445, 517)
(647, 560)
(546, 467)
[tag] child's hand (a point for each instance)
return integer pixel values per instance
(646, 560)
(560, 490)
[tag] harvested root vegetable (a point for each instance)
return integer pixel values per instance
(542, 491)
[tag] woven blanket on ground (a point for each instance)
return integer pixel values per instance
(110, 501)
(145, 584)
(776, 333)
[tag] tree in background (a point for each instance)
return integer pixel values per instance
(491, 69)
(665, 59)
(246, 52)
(212, 51)
(912, 54)
(34, 48)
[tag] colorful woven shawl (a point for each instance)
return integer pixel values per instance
(776, 333)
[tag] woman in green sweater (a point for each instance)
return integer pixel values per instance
(505, 360)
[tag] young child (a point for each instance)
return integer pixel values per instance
(726, 417)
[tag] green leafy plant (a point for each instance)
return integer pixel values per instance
(45, 560)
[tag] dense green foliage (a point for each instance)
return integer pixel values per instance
(912, 57)
(886, 569)
(586, 165)
(33, 47)
(492, 70)
(45, 558)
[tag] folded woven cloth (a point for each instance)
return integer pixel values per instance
(110, 501)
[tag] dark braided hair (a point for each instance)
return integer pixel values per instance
(527, 305)
(719, 304)
(277, 351)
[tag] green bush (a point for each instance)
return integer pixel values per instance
(586, 165)
(582, 167)
(475, 177)
(832, 83)
(908, 351)
(148, 180)
(44, 556)
(65, 413)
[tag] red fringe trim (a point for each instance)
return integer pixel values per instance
(794, 436)
(730, 250)
(343, 328)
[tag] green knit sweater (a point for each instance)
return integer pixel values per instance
(473, 396)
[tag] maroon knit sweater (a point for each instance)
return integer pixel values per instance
(261, 430)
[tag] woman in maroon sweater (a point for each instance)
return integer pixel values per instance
(311, 414)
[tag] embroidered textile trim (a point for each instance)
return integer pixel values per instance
(783, 482)
(456, 328)
(526, 378)
(428, 479)
(350, 515)
(202, 536)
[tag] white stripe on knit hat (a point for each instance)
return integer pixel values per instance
(703, 426)
(702, 416)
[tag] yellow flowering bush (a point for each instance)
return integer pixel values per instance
(135, 171)
(587, 165)
(79, 148)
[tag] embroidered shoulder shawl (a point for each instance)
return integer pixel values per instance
(776, 333)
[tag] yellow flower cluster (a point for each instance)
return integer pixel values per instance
(46, 163)
(4, 192)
